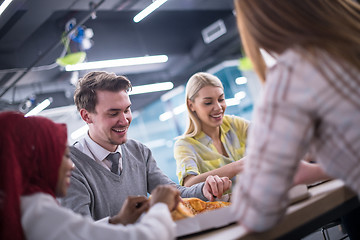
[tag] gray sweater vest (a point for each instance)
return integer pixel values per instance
(100, 193)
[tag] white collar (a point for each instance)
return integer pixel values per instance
(98, 152)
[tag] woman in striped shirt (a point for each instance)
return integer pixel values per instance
(310, 102)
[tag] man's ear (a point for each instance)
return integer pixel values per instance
(85, 115)
(190, 104)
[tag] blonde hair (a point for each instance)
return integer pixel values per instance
(193, 86)
(276, 25)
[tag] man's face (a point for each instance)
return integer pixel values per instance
(109, 124)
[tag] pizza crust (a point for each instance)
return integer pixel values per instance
(190, 207)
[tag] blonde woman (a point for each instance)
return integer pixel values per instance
(310, 102)
(214, 142)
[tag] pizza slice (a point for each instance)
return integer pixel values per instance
(189, 207)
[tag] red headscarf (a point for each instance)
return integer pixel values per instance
(31, 151)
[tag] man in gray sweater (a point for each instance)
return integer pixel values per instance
(100, 184)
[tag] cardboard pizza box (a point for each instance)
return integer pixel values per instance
(222, 217)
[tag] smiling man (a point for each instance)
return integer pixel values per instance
(110, 167)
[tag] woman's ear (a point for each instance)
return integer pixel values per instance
(190, 105)
(85, 115)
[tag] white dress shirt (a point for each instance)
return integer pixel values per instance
(96, 152)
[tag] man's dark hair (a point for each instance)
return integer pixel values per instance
(86, 87)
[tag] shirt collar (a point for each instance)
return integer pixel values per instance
(225, 126)
(99, 152)
(206, 140)
(203, 138)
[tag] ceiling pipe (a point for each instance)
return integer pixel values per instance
(125, 4)
(51, 48)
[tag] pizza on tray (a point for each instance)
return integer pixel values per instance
(189, 207)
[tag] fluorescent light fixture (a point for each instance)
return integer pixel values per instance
(236, 100)
(44, 104)
(240, 95)
(167, 115)
(79, 132)
(117, 63)
(74, 77)
(180, 109)
(156, 143)
(4, 5)
(156, 87)
(172, 93)
(232, 102)
(149, 9)
(241, 80)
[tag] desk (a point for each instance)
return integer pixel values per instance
(328, 201)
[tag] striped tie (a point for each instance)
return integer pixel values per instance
(114, 159)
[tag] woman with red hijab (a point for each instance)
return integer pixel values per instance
(35, 168)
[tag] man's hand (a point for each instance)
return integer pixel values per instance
(133, 207)
(215, 186)
(166, 194)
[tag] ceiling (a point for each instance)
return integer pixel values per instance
(30, 43)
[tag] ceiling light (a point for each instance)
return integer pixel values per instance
(240, 95)
(149, 9)
(172, 93)
(156, 143)
(241, 80)
(156, 87)
(74, 77)
(167, 115)
(4, 5)
(44, 104)
(232, 102)
(118, 63)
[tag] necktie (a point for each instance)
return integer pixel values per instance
(114, 159)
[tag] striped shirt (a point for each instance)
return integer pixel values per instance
(196, 155)
(300, 110)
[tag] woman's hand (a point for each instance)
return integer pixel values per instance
(133, 207)
(166, 194)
